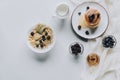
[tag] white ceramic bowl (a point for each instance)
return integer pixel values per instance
(37, 50)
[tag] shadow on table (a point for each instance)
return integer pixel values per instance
(76, 59)
(81, 38)
(59, 24)
(38, 57)
(41, 57)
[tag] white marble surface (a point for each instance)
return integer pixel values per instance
(17, 62)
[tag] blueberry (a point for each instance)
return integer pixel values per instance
(32, 33)
(37, 46)
(108, 42)
(79, 13)
(91, 17)
(87, 7)
(79, 27)
(48, 38)
(98, 15)
(40, 41)
(41, 45)
(43, 38)
(87, 32)
(111, 46)
(46, 34)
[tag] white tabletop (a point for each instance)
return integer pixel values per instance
(17, 61)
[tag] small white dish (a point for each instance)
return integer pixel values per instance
(37, 50)
(62, 10)
(102, 27)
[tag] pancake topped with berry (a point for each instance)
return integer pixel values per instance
(92, 18)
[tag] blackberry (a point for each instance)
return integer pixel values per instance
(76, 49)
(41, 45)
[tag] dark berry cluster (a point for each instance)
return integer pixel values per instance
(109, 42)
(76, 49)
(91, 17)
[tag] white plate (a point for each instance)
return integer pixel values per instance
(101, 27)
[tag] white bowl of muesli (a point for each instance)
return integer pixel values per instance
(40, 38)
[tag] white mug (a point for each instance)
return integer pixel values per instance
(62, 11)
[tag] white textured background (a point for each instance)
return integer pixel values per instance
(17, 62)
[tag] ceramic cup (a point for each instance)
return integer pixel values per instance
(62, 10)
